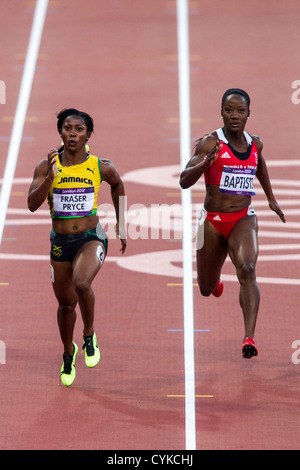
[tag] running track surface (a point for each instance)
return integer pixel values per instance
(118, 61)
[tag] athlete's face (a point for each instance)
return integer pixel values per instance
(74, 133)
(235, 112)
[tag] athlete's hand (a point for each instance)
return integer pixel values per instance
(276, 208)
(121, 233)
(213, 154)
(52, 169)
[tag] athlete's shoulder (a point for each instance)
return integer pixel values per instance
(42, 167)
(106, 162)
(107, 168)
(258, 142)
(204, 144)
(103, 162)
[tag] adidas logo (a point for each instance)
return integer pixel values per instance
(225, 155)
(217, 217)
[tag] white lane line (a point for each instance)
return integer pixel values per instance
(186, 199)
(22, 105)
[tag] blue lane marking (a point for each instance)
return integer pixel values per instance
(6, 138)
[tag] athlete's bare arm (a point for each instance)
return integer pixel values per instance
(205, 154)
(43, 177)
(112, 177)
(262, 175)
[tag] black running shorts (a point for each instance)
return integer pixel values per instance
(64, 247)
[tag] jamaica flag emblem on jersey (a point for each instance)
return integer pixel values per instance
(57, 250)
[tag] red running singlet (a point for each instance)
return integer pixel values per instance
(233, 171)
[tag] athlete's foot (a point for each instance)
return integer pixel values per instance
(68, 373)
(92, 352)
(219, 289)
(249, 349)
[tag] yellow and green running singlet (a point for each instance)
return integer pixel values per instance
(75, 189)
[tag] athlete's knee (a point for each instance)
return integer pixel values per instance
(246, 271)
(81, 286)
(66, 308)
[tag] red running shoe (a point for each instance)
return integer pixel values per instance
(249, 348)
(219, 289)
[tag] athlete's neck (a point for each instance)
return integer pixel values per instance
(70, 157)
(236, 139)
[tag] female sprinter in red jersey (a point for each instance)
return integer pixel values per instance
(230, 158)
(70, 179)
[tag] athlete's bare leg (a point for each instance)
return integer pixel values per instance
(67, 300)
(86, 265)
(243, 251)
(210, 259)
(72, 283)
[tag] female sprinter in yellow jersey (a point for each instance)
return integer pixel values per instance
(70, 179)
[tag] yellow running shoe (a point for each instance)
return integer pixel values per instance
(92, 352)
(68, 373)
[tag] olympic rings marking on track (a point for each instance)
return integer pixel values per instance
(149, 221)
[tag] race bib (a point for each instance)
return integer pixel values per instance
(71, 202)
(237, 181)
